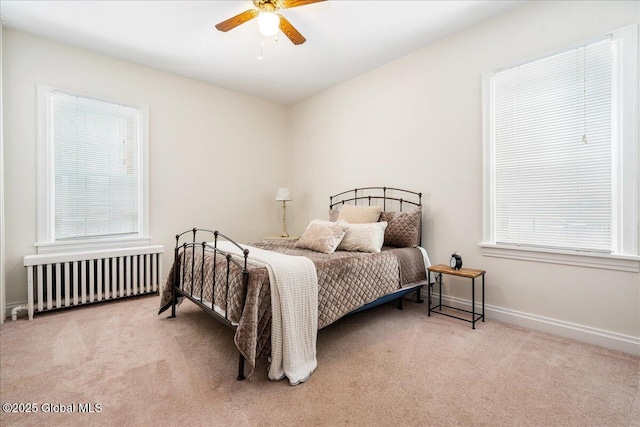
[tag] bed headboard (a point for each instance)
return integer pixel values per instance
(391, 199)
(365, 195)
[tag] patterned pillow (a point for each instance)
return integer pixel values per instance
(364, 237)
(333, 215)
(403, 230)
(360, 214)
(322, 236)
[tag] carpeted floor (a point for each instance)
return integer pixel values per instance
(379, 367)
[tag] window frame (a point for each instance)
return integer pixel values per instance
(625, 218)
(46, 242)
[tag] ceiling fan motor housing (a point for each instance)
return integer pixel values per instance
(268, 5)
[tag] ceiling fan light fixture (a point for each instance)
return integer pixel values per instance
(268, 23)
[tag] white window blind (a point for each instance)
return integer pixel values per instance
(96, 167)
(552, 133)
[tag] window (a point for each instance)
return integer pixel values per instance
(561, 158)
(92, 172)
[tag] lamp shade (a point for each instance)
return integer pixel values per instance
(283, 194)
(268, 23)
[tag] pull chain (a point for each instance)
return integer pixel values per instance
(261, 50)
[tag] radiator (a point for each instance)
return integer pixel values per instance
(71, 279)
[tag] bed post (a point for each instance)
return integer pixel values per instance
(245, 286)
(419, 299)
(241, 376)
(202, 272)
(175, 277)
(420, 231)
(193, 259)
(384, 198)
(215, 257)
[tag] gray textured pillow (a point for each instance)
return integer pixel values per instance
(403, 230)
(333, 214)
(322, 236)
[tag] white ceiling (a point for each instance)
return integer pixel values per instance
(344, 38)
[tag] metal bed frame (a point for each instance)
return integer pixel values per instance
(177, 289)
(379, 193)
(359, 194)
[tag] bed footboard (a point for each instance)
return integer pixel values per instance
(181, 269)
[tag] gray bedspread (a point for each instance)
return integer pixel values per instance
(346, 281)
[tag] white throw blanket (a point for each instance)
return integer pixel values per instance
(294, 306)
(427, 263)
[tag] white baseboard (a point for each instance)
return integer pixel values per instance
(586, 334)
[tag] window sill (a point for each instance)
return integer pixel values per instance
(606, 261)
(91, 244)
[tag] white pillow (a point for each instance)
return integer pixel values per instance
(322, 236)
(359, 214)
(364, 237)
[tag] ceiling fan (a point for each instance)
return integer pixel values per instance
(268, 20)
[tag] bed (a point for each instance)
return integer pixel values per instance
(209, 266)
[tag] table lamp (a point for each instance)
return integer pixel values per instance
(284, 195)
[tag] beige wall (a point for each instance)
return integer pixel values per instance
(417, 124)
(192, 125)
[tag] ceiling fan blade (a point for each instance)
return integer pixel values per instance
(290, 31)
(241, 18)
(288, 4)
